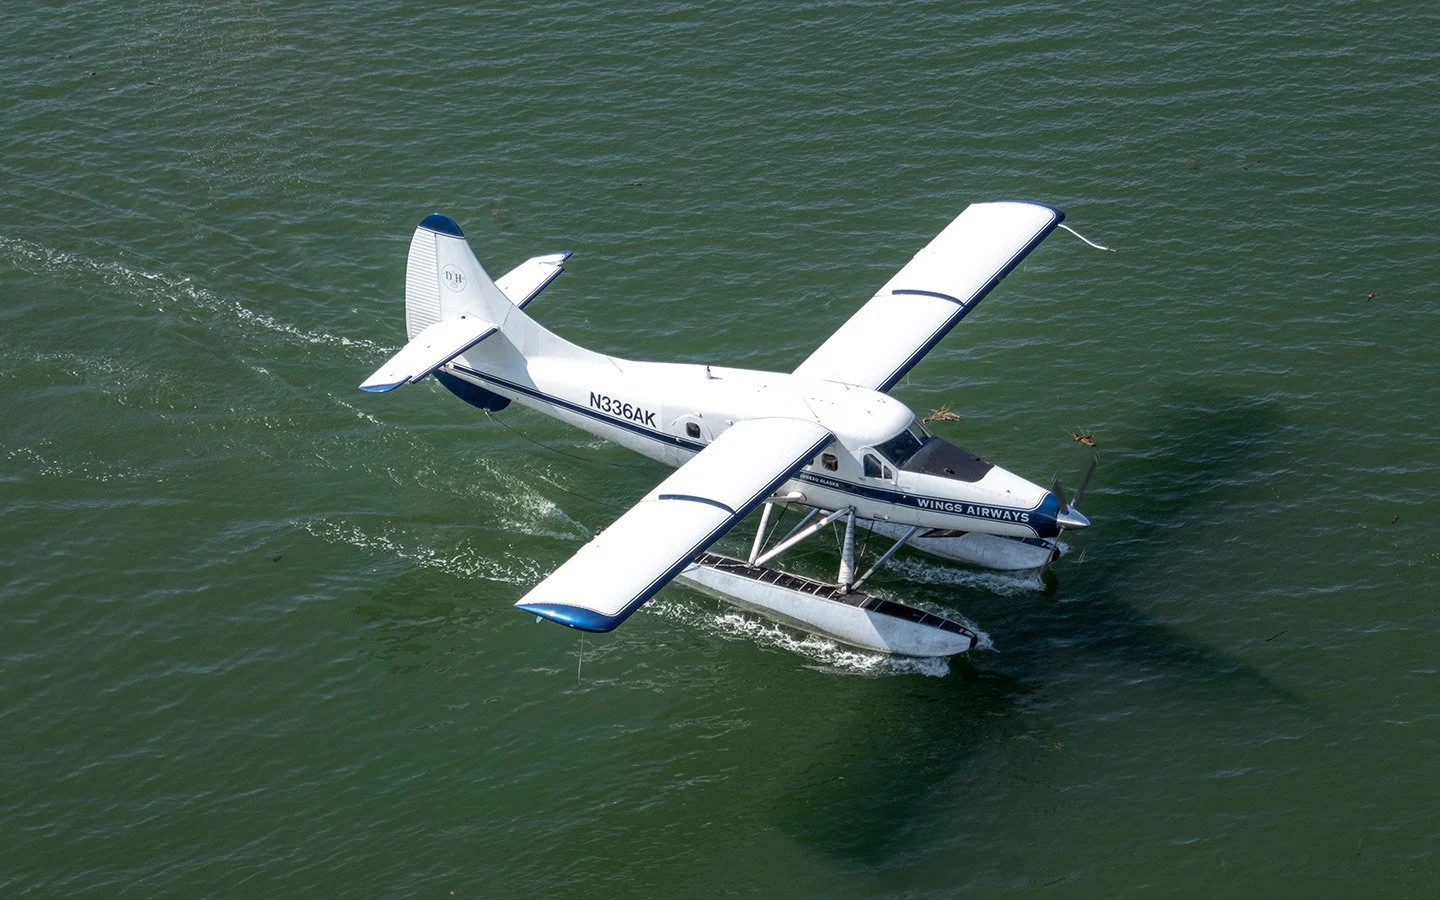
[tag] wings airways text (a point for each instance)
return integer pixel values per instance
(623, 410)
(958, 507)
(974, 510)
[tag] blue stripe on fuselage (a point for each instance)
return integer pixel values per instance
(584, 411)
(1041, 517)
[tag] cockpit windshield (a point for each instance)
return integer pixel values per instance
(917, 450)
(904, 445)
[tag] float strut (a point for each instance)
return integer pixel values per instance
(760, 532)
(884, 558)
(805, 520)
(799, 536)
(847, 553)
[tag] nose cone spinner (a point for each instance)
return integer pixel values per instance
(1071, 518)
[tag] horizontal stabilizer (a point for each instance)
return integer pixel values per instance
(629, 562)
(522, 283)
(430, 349)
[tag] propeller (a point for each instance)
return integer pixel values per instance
(1058, 490)
(1069, 516)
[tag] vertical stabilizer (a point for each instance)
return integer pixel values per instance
(444, 280)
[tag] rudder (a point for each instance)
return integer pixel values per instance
(444, 280)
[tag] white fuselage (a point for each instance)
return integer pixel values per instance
(671, 411)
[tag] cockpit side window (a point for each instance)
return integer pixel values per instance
(904, 445)
(872, 466)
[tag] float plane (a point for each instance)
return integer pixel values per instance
(826, 438)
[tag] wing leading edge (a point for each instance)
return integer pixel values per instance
(629, 562)
(925, 299)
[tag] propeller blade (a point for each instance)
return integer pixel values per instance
(1075, 501)
(1058, 490)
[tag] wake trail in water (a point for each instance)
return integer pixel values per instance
(460, 562)
(41, 460)
(159, 289)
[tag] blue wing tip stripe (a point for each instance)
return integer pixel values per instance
(575, 616)
(381, 388)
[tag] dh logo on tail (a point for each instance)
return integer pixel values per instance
(454, 278)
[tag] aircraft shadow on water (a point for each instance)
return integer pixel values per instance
(880, 782)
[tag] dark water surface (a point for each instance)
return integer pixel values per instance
(257, 636)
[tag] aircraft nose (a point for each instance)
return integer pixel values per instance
(1071, 518)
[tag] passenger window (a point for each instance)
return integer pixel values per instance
(829, 461)
(872, 466)
(692, 429)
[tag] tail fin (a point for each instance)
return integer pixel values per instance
(444, 280)
(451, 306)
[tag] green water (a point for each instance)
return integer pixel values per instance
(255, 626)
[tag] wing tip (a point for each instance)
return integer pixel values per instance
(1058, 213)
(577, 617)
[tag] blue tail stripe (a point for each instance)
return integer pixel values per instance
(441, 225)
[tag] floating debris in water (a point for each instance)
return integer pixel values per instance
(941, 414)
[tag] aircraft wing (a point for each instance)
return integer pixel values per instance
(629, 562)
(919, 306)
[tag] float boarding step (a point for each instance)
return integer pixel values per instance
(861, 620)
